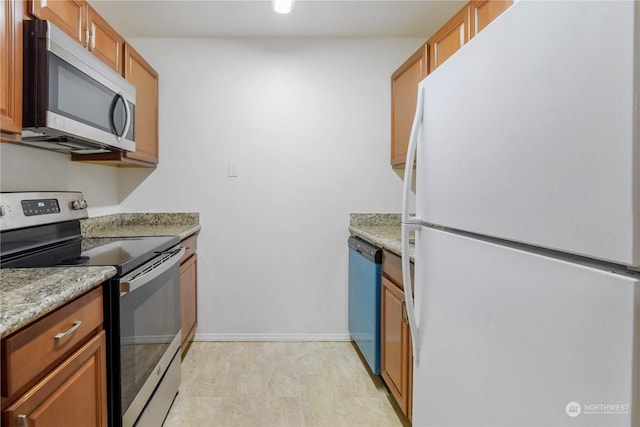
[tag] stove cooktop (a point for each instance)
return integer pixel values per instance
(124, 253)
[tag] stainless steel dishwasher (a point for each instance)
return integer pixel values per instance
(365, 273)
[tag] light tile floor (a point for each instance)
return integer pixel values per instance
(280, 384)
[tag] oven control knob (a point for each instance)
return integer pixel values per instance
(78, 204)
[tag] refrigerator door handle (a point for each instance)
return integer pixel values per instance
(411, 157)
(408, 292)
(410, 224)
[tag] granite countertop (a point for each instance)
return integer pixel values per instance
(142, 224)
(380, 229)
(29, 293)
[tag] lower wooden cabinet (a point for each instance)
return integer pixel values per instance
(74, 394)
(396, 357)
(396, 345)
(188, 292)
(54, 370)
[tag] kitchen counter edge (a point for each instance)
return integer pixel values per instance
(182, 224)
(384, 236)
(27, 294)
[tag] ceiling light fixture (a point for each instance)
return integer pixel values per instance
(282, 6)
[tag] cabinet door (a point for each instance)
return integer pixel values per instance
(145, 79)
(188, 300)
(68, 15)
(451, 37)
(484, 11)
(404, 93)
(11, 70)
(104, 41)
(396, 350)
(74, 394)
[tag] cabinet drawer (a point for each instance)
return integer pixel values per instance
(190, 245)
(34, 349)
(392, 267)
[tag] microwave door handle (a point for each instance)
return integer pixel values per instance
(127, 111)
(127, 286)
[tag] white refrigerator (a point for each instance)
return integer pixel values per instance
(527, 223)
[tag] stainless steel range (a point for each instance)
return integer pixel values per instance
(142, 303)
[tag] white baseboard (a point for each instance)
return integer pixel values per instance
(271, 337)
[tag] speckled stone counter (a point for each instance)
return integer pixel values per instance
(141, 224)
(380, 229)
(29, 293)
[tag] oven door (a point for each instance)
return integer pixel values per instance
(149, 305)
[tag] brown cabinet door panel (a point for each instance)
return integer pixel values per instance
(74, 394)
(104, 41)
(451, 37)
(395, 345)
(145, 79)
(11, 69)
(68, 15)
(188, 300)
(485, 11)
(404, 93)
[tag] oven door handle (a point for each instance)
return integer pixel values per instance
(127, 286)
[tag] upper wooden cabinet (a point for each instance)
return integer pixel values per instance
(468, 22)
(404, 93)
(10, 71)
(80, 21)
(145, 79)
(484, 11)
(451, 37)
(68, 15)
(464, 25)
(103, 41)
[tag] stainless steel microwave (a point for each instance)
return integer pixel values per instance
(72, 101)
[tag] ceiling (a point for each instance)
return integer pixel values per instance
(251, 18)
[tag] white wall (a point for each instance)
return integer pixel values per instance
(307, 121)
(30, 169)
